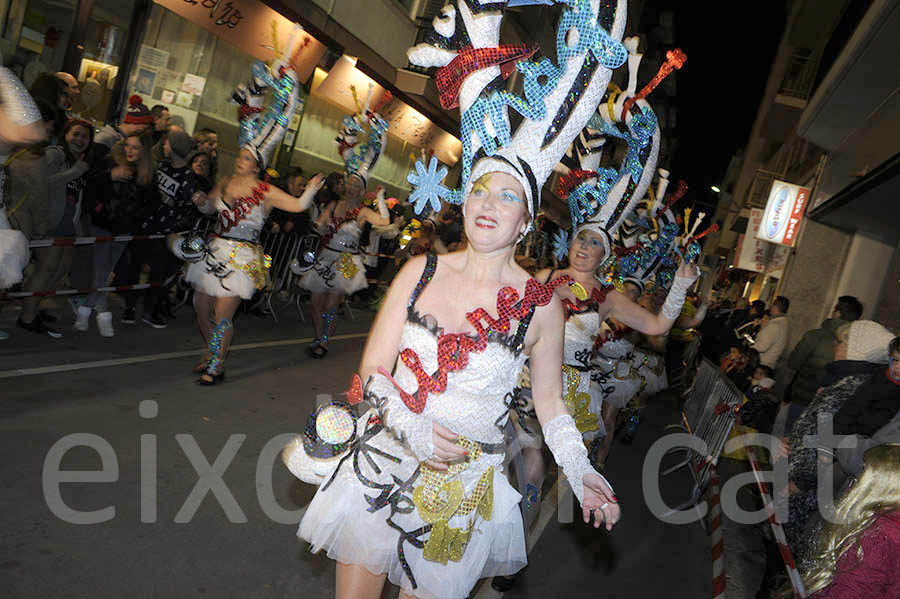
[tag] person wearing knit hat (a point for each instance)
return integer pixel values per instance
(857, 375)
(867, 341)
(138, 120)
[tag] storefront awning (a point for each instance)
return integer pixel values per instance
(868, 205)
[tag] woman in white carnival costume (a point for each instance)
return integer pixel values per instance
(419, 495)
(230, 265)
(20, 125)
(339, 270)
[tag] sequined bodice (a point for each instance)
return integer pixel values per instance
(474, 402)
(346, 239)
(462, 381)
(247, 227)
(581, 330)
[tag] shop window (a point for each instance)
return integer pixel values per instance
(42, 30)
(192, 73)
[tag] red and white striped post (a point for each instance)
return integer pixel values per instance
(718, 545)
(777, 528)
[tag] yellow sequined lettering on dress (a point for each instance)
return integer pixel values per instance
(578, 403)
(441, 496)
(257, 269)
(347, 266)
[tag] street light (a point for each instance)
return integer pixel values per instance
(715, 189)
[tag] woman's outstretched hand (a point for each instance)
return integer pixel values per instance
(316, 183)
(599, 498)
(445, 448)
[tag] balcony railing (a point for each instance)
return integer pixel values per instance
(800, 78)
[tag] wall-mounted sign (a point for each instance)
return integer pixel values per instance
(248, 25)
(751, 251)
(783, 214)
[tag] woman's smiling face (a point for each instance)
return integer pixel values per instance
(496, 215)
(587, 251)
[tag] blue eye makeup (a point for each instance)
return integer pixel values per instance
(510, 197)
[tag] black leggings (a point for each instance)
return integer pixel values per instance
(155, 254)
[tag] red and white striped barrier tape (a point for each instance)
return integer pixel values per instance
(777, 528)
(20, 294)
(73, 241)
(718, 545)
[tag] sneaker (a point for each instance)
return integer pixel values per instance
(104, 323)
(155, 320)
(36, 326)
(128, 316)
(83, 318)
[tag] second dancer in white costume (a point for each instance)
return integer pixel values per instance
(230, 266)
(338, 270)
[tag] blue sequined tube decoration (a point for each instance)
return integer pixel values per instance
(328, 319)
(215, 346)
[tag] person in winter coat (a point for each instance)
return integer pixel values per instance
(872, 415)
(66, 176)
(120, 191)
(773, 336)
(172, 212)
(861, 353)
(816, 349)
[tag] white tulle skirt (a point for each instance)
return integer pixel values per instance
(616, 380)
(335, 272)
(346, 520)
(14, 256)
(233, 268)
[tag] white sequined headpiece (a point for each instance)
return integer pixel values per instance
(560, 93)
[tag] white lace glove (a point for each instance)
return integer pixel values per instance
(567, 447)
(381, 205)
(671, 309)
(415, 430)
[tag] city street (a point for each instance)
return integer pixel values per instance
(87, 384)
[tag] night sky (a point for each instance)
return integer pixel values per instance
(730, 48)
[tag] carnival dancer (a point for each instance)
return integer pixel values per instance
(20, 125)
(420, 497)
(230, 265)
(339, 270)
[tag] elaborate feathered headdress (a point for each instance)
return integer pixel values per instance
(600, 199)
(360, 156)
(261, 128)
(559, 95)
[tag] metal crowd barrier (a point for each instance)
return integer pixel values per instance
(283, 248)
(721, 401)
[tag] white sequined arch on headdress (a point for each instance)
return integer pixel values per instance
(529, 156)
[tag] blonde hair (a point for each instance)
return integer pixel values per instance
(842, 334)
(144, 167)
(874, 494)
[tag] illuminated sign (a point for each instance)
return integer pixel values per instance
(783, 214)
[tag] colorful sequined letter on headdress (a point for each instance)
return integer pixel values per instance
(560, 95)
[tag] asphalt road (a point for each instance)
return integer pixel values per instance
(136, 389)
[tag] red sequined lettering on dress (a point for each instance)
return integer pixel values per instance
(242, 208)
(336, 224)
(454, 348)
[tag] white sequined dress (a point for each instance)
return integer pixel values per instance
(366, 513)
(339, 267)
(235, 264)
(614, 368)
